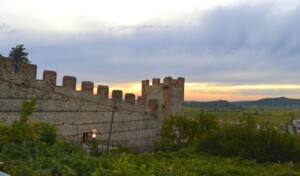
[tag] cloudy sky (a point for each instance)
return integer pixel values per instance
(226, 49)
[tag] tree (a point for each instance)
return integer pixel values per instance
(19, 57)
(27, 109)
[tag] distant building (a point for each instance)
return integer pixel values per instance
(296, 126)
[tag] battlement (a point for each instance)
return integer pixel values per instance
(5, 65)
(138, 119)
(29, 71)
(168, 93)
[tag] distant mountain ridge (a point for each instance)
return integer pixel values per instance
(212, 104)
(265, 102)
(272, 102)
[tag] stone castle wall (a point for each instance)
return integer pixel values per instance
(136, 123)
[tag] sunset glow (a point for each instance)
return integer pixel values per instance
(216, 91)
(226, 49)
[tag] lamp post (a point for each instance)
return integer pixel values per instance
(93, 135)
(93, 132)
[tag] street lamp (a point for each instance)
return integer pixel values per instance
(94, 131)
(93, 142)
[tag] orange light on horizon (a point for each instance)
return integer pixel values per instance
(209, 91)
(220, 91)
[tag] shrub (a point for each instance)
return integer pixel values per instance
(264, 144)
(184, 131)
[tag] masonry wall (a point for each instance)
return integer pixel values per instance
(169, 95)
(135, 125)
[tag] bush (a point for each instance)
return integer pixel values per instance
(184, 131)
(165, 145)
(265, 144)
(47, 133)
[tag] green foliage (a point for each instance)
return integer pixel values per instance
(19, 57)
(33, 148)
(27, 109)
(185, 162)
(33, 155)
(20, 131)
(94, 148)
(184, 131)
(4, 132)
(247, 141)
(47, 133)
(243, 139)
(165, 145)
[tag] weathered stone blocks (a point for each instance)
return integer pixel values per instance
(103, 91)
(50, 77)
(77, 112)
(69, 82)
(5, 65)
(130, 98)
(156, 81)
(29, 70)
(87, 87)
(117, 95)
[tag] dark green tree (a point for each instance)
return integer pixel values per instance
(19, 56)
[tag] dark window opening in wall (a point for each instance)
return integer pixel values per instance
(85, 137)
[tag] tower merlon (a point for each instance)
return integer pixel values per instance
(29, 70)
(103, 91)
(69, 82)
(180, 82)
(87, 86)
(156, 81)
(130, 98)
(168, 80)
(117, 95)
(145, 83)
(50, 77)
(5, 65)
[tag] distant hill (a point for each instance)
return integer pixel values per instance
(266, 103)
(272, 102)
(220, 104)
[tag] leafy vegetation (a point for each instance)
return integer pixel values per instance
(190, 146)
(262, 145)
(27, 109)
(245, 140)
(33, 148)
(186, 162)
(184, 131)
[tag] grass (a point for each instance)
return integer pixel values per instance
(272, 115)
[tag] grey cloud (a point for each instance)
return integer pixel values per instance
(2, 26)
(237, 44)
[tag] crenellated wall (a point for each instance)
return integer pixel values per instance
(169, 95)
(136, 123)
